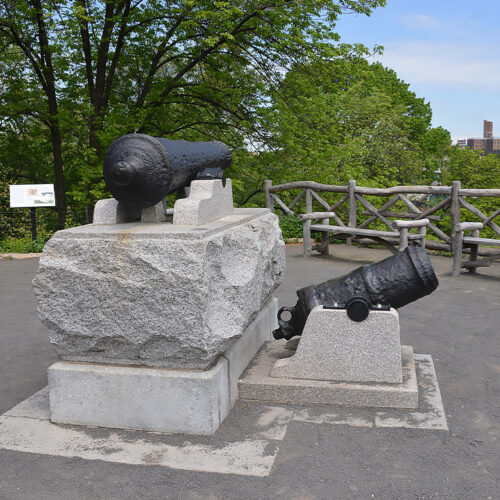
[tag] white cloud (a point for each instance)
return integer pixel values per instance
(444, 64)
(422, 21)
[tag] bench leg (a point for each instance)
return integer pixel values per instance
(403, 238)
(422, 231)
(457, 254)
(325, 240)
(307, 238)
(473, 252)
(324, 246)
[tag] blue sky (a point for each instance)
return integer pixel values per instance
(447, 50)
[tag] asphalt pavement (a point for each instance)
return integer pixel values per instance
(458, 325)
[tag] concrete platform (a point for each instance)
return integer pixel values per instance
(264, 450)
(247, 443)
(333, 347)
(258, 384)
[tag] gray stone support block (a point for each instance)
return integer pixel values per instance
(208, 200)
(112, 212)
(156, 213)
(126, 397)
(333, 347)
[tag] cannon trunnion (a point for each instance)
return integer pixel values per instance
(392, 282)
(140, 170)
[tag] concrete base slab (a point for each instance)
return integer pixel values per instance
(258, 384)
(156, 399)
(430, 414)
(249, 452)
(247, 443)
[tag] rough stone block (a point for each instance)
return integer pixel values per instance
(208, 200)
(158, 294)
(333, 347)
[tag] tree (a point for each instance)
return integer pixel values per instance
(436, 144)
(93, 70)
(343, 118)
(474, 169)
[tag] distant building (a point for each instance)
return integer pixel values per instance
(487, 129)
(487, 143)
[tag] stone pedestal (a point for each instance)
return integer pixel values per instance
(338, 361)
(158, 294)
(333, 347)
(156, 317)
(156, 399)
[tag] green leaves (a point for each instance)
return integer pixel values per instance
(344, 118)
(187, 69)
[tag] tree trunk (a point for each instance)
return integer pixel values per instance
(58, 176)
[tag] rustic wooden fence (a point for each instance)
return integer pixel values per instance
(349, 207)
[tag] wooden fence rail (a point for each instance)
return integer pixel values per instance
(351, 205)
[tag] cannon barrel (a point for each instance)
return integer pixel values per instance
(394, 282)
(140, 170)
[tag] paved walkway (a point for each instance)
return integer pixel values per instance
(457, 325)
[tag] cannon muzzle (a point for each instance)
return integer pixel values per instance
(140, 170)
(392, 282)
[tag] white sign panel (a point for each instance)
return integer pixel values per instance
(32, 195)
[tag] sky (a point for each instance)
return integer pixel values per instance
(447, 50)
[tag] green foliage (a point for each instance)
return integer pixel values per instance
(268, 78)
(290, 226)
(24, 244)
(92, 71)
(348, 119)
(475, 170)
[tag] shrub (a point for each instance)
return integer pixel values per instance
(24, 244)
(290, 226)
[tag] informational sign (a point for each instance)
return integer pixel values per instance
(32, 195)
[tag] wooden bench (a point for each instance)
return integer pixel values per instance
(471, 241)
(401, 235)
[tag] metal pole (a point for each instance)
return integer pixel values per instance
(33, 223)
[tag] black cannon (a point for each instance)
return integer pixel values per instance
(140, 170)
(392, 282)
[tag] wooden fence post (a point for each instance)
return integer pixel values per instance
(455, 214)
(307, 226)
(352, 208)
(269, 200)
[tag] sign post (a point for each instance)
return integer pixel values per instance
(32, 196)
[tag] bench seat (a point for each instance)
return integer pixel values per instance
(471, 240)
(360, 232)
